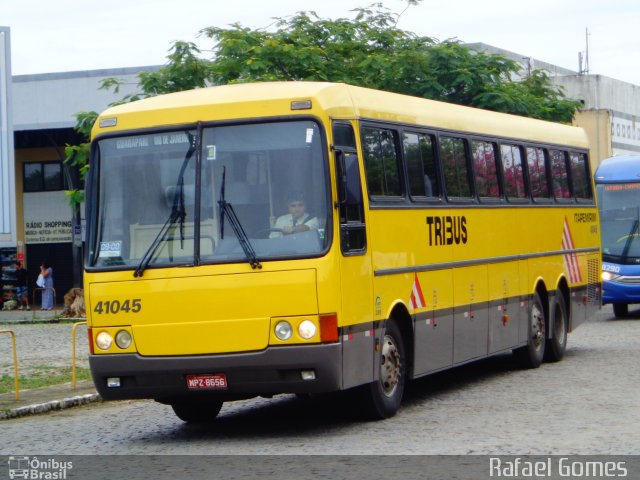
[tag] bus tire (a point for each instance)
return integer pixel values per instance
(382, 398)
(557, 342)
(620, 309)
(531, 355)
(197, 411)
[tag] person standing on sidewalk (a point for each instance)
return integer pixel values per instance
(47, 293)
(22, 290)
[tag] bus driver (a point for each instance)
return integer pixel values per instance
(297, 220)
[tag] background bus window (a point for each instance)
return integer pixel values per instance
(512, 172)
(560, 174)
(457, 179)
(486, 173)
(537, 173)
(420, 158)
(580, 176)
(381, 162)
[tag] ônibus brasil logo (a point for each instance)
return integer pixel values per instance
(34, 468)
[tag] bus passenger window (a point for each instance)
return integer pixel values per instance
(537, 173)
(486, 174)
(455, 167)
(512, 172)
(559, 174)
(580, 176)
(381, 162)
(420, 158)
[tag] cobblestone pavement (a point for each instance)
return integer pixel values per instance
(586, 404)
(40, 345)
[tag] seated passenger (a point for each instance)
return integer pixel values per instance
(297, 220)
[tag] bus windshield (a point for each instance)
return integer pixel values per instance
(620, 220)
(212, 195)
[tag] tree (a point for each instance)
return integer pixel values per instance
(369, 51)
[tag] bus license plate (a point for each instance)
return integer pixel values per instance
(216, 381)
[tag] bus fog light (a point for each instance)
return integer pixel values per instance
(113, 382)
(123, 339)
(308, 374)
(283, 330)
(307, 329)
(104, 341)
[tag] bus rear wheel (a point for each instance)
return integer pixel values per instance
(532, 354)
(197, 411)
(383, 397)
(557, 342)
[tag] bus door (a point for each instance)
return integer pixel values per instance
(356, 275)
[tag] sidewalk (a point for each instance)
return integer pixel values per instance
(38, 400)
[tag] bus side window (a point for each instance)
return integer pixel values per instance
(485, 171)
(457, 178)
(513, 172)
(580, 176)
(381, 162)
(560, 174)
(537, 173)
(421, 165)
(353, 234)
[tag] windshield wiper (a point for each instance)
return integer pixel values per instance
(633, 233)
(177, 215)
(227, 210)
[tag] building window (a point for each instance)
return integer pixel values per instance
(43, 177)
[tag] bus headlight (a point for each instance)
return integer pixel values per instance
(123, 339)
(283, 330)
(307, 329)
(104, 341)
(608, 276)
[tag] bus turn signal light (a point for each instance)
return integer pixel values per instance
(329, 327)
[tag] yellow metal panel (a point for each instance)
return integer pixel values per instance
(204, 313)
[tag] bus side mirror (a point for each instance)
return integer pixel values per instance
(341, 177)
(348, 179)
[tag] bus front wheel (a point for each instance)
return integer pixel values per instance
(532, 353)
(196, 411)
(382, 397)
(620, 309)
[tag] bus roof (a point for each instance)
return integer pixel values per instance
(623, 168)
(335, 100)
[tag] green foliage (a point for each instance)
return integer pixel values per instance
(368, 50)
(371, 51)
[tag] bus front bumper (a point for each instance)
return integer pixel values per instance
(271, 371)
(616, 292)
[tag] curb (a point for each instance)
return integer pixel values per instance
(50, 406)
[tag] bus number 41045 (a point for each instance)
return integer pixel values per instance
(116, 306)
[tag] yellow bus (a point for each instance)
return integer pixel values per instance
(300, 237)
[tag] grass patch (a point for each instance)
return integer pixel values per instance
(42, 376)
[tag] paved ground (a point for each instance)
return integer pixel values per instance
(43, 343)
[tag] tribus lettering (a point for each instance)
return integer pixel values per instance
(447, 230)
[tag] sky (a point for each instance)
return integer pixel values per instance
(69, 35)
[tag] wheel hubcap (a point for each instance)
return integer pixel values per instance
(537, 327)
(390, 366)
